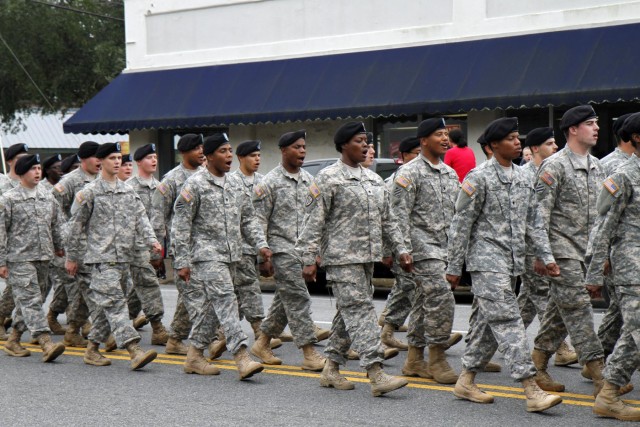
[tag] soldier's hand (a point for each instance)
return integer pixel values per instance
(266, 254)
(388, 261)
(71, 267)
(594, 290)
(553, 269)
(406, 262)
(157, 248)
(59, 253)
(309, 273)
(185, 273)
(607, 267)
(4, 272)
(539, 267)
(318, 260)
(156, 263)
(453, 280)
(266, 269)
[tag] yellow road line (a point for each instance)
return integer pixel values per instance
(354, 376)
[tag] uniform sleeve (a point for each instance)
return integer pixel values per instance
(251, 227)
(57, 225)
(185, 210)
(392, 237)
(77, 233)
(319, 203)
(403, 198)
(63, 196)
(162, 202)
(143, 226)
(546, 189)
(263, 204)
(612, 201)
(469, 204)
(5, 223)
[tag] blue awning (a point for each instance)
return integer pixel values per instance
(557, 68)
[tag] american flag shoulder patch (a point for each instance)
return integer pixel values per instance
(611, 186)
(468, 188)
(79, 197)
(162, 188)
(314, 190)
(402, 181)
(259, 190)
(186, 195)
(59, 188)
(547, 178)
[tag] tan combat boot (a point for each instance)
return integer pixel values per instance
(565, 355)
(382, 383)
(13, 348)
(608, 404)
(262, 350)
(138, 357)
(439, 367)
(86, 328)
(403, 328)
(389, 340)
(454, 339)
(195, 363)
(389, 352)
(492, 367)
(246, 366)
(217, 347)
(3, 331)
(321, 334)
(285, 337)
(538, 400)
(312, 360)
(383, 316)
(331, 377)
(256, 325)
(415, 365)
(72, 337)
(159, 336)
(175, 346)
(467, 389)
(595, 368)
(140, 321)
(93, 357)
(544, 380)
(54, 325)
(353, 355)
(110, 345)
(50, 350)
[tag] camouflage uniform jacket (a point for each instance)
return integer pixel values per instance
(614, 159)
(619, 209)
(145, 190)
(565, 210)
(30, 226)
(46, 185)
(210, 220)
(65, 190)
(5, 183)
(348, 219)
(490, 223)
(423, 198)
(110, 220)
(529, 172)
(247, 249)
(279, 201)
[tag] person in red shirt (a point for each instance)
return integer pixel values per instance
(460, 157)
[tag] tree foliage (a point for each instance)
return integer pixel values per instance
(70, 55)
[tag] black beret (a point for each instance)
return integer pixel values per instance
(348, 131)
(538, 136)
(408, 144)
(290, 137)
(51, 161)
(24, 163)
(617, 125)
(69, 161)
(14, 150)
(126, 158)
(213, 142)
(107, 148)
(500, 128)
(144, 151)
(631, 125)
(189, 141)
(247, 147)
(369, 138)
(87, 149)
(576, 115)
(429, 126)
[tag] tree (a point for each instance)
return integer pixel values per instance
(57, 54)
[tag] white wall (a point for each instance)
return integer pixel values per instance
(185, 33)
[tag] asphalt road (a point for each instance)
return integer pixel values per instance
(70, 392)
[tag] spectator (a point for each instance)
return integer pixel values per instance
(460, 157)
(526, 156)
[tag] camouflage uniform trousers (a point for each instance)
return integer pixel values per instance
(611, 326)
(209, 296)
(498, 326)
(355, 320)
(569, 310)
(6, 302)
(433, 307)
(146, 287)
(133, 302)
(110, 313)
(400, 299)
(78, 294)
(534, 294)
(291, 303)
(247, 289)
(28, 282)
(625, 358)
(59, 301)
(181, 324)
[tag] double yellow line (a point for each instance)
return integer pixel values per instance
(355, 376)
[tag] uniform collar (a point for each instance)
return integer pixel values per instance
(346, 171)
(500, 171)
(575, 161)
(301, 176)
